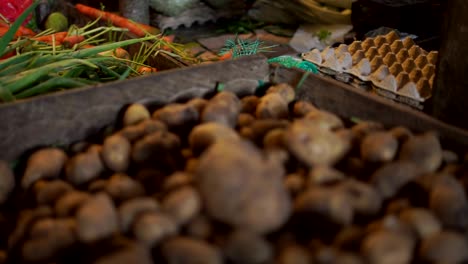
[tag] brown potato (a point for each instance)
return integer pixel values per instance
(362, 128)
(204, 135)
(177, 180)
(69, 203)
(272, 105)
(444, 247)
(245, 247)
(245, 119)
(155, 146)
(294, 254)
(46, 163)
(182, 204)
(387, 247)
(224, 108)
(364, 198)
(274, 139)
(177, 115)
(324, 175)
(131, 209)
(49, 192)
(190, 251)
(198, 103)
(84, 167)
(302, 108)
(97, 219)
(7, 181)
(329, 204)
(262, 126)
(121, 187)
(285, 90)
(97, 185)
(379, 147)
(448, 200)
(151, 228)
(391, 177)
(249, 104)
(233, 166)
(401, 133)
(133, 253)
(325, 119)
(60, 234)
(424, 150)
(116, 153)
(134, 114)
(314, 145)
(141, 129)
(422, 221)
(25, 219)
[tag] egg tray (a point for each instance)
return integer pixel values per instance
(395, 68)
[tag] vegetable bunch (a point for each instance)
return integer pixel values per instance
(36, 64)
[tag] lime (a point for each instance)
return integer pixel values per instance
(56, 21)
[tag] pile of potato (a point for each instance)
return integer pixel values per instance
(252, 180)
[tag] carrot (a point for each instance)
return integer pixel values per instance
(71, 41)
(21, 32)
(226, 56)
(118, 52)
(59, 37)
(146, 69)
(138, 29)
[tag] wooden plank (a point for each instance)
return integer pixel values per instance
(65, 117)
(348, 101)
(451, 84)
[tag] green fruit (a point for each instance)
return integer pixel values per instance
(56, 21)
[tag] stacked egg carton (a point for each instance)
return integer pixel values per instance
(394, 68)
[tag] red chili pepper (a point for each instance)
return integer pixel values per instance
(11, 9)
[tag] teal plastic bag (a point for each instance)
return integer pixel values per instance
(292, 62)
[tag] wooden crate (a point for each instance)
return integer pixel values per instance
(64, 117)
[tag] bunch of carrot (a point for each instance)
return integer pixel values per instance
(138, 29)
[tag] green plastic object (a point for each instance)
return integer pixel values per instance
(244, 47)
(292, 62)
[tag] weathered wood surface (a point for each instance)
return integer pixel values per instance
(65, 117)
(450, 92)
(348, 101)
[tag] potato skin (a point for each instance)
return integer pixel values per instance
(84, 167)
(203, 135)
(116, 153)
(224, 108)
(284, 90)
(134, 114)
(272, 105)
(177, 115)
(46, 163)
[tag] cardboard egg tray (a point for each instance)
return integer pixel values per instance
(395, 68)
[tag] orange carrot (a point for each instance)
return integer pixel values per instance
(21, 32)
(59, 37)
(168, 39)
(226, 56)
(118, 52)
(146, 69)
(70, 41)
(138, 29)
